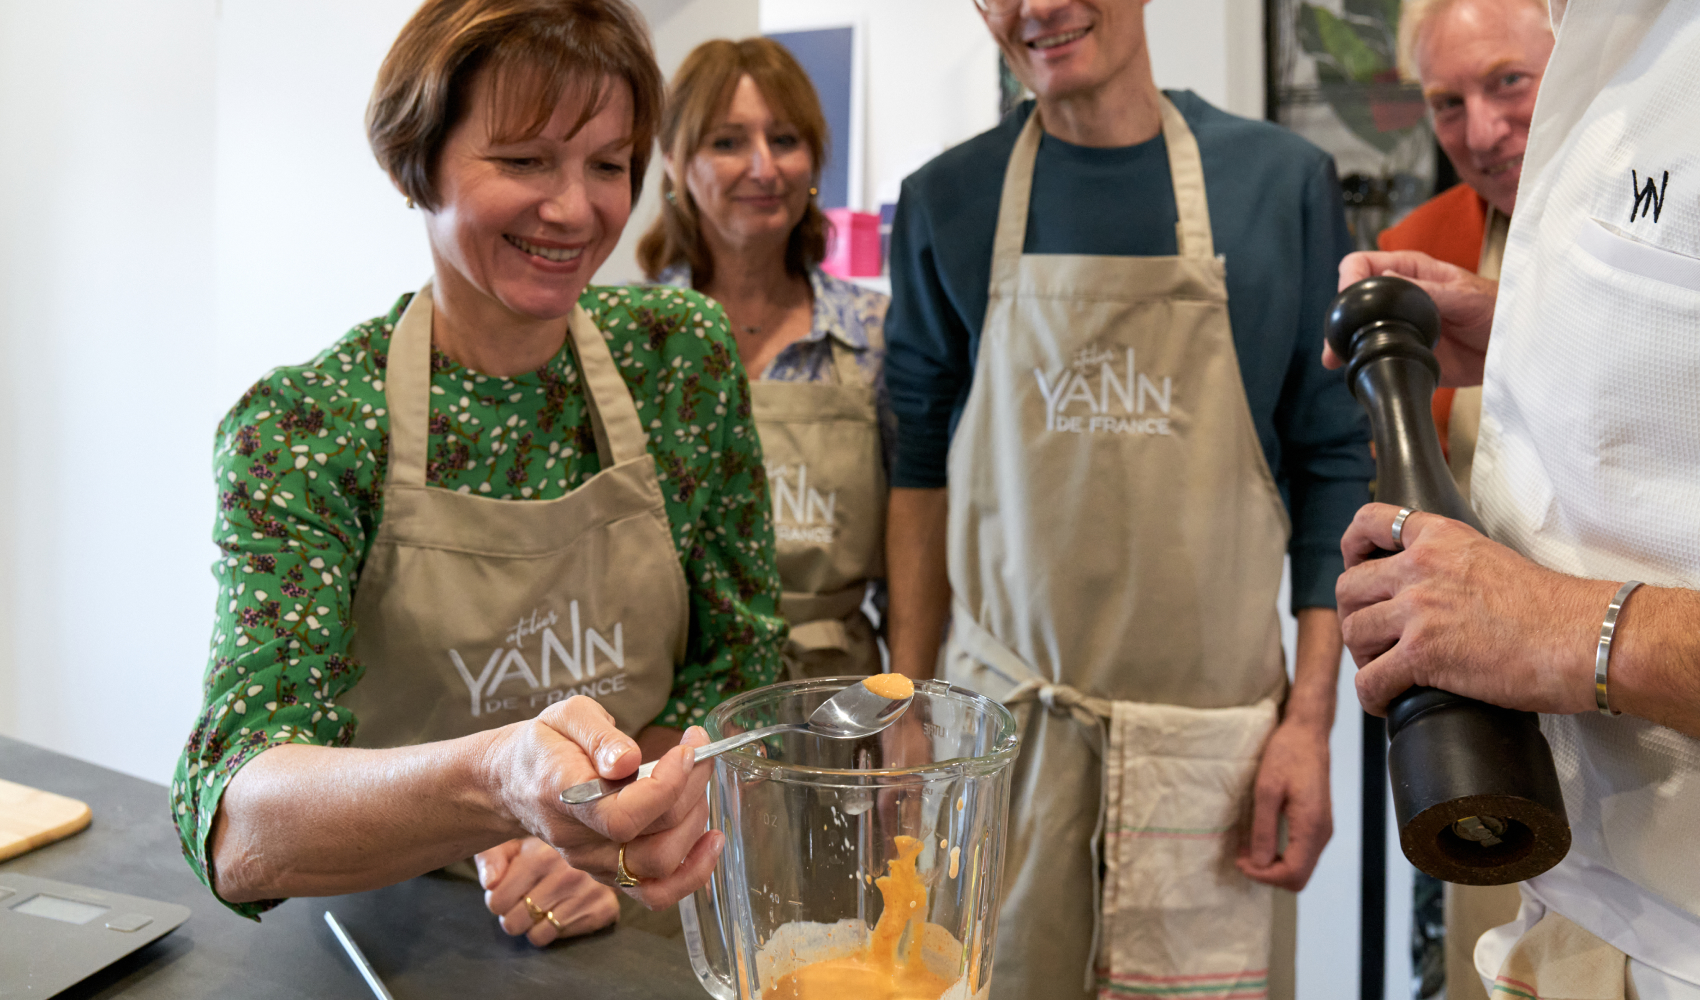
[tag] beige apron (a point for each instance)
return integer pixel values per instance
(821, 443)
(1557, 960)
(1116, 545)
(473, 612)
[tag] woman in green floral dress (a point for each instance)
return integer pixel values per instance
(509, 536)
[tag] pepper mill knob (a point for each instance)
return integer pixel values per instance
(1380, 317)
(1385, 298)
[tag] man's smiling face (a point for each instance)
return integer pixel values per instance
(1068, 48)
(1480, 63)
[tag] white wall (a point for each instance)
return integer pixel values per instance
(106, 325)
(1213, 47)
(930, 79)
(312, 237)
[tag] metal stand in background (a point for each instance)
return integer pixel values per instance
(1372, 875)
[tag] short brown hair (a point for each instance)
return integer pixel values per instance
(537, 48)
(700, 93)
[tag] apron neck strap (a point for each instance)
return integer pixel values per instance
(407, 392)
(613, 415)
(1186, 172)
(846, 369)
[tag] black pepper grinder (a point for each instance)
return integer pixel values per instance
(1474, 789)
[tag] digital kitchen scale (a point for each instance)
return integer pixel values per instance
(55, 934)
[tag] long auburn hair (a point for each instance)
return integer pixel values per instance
(699, 95)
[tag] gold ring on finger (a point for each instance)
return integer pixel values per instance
(550, 916)
(537, 912)
(623, 876)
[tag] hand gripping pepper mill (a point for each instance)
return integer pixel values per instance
(1474, 788)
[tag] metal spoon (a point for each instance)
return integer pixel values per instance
(851, 713)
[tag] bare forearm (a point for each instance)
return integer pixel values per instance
(1316, 671)
(1655, 658)
(917, 577)
(312, 821)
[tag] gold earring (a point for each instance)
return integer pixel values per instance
(813, 191)
(409, 202)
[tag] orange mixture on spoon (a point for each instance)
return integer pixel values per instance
(894, 686)
(877, 973)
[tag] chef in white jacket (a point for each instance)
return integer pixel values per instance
(1587, 479)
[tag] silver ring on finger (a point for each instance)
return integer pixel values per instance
(1399, 527)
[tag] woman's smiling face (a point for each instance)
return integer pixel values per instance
(750, 178)
(525, 222)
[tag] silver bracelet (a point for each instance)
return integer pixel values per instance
(1602, 655)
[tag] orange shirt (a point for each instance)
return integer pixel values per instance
(1449, 227)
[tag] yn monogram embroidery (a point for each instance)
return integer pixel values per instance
(1648, 197)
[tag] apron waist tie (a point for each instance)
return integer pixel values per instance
(801, 608)
(997, 672)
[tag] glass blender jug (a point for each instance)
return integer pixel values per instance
(866, 868)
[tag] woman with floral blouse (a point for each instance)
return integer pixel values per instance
(744, 142)
(512, 535)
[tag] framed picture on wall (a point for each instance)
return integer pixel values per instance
(1334, 79)
(833, 59)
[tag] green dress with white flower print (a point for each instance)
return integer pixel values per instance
(300, 463)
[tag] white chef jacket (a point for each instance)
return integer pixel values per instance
(1589, 457)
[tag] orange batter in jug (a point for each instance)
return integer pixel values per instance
(878, 973)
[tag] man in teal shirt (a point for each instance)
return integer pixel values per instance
(1102, 187)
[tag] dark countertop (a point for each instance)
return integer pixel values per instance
(427, 937)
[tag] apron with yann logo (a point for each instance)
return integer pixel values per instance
(1115, 547)
(821, 443)
(472, 612)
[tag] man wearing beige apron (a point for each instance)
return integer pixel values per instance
(1115, 401)
(1587, 480)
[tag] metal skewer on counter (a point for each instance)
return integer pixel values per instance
(1474, 788)
(358, 957)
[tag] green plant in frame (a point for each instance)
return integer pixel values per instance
(1356, 67)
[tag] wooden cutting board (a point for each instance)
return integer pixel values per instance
(30, 818)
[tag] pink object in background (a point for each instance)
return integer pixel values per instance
(853, 247)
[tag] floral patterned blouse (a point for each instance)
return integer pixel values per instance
(844, 311)
(300, 462)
